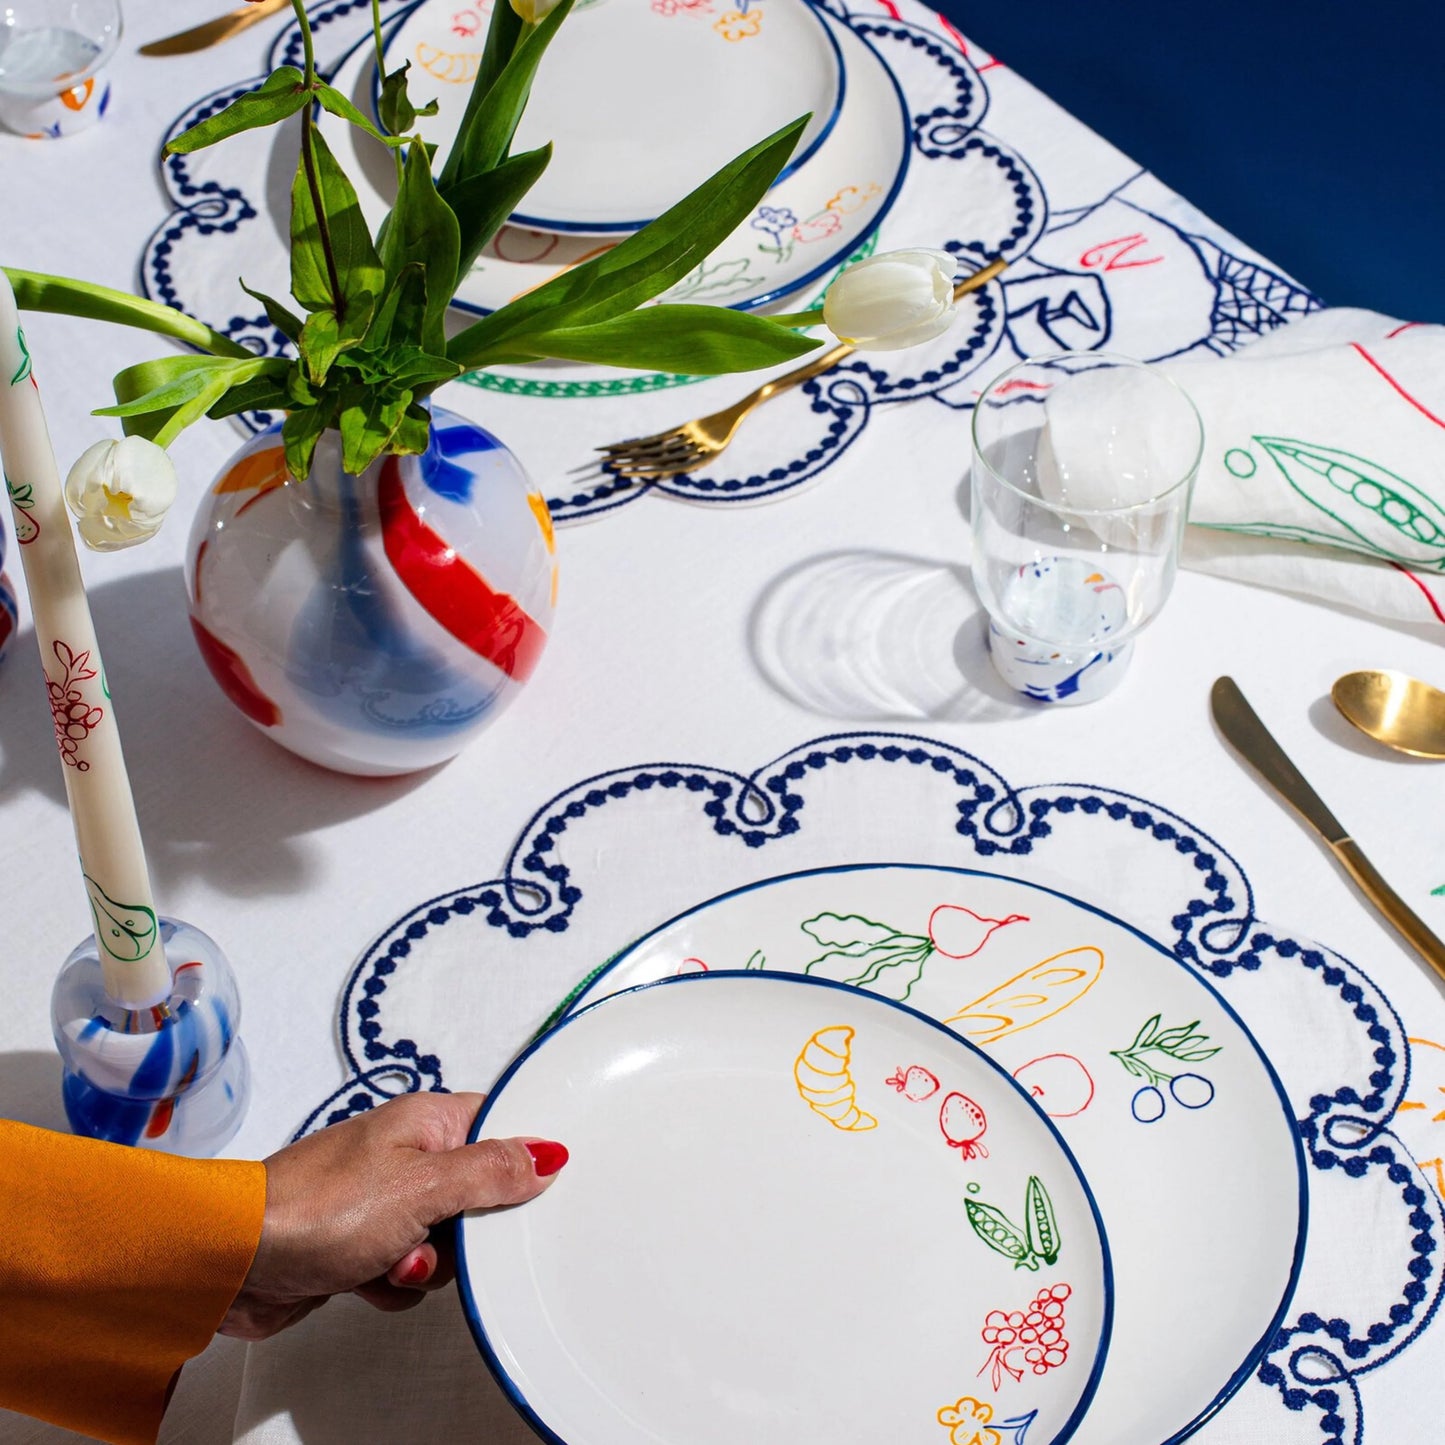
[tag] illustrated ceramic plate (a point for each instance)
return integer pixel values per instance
(761, 1238)
(805, 228)
(1176, 1118)
(642, 99)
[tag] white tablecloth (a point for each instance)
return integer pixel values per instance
(716, 638)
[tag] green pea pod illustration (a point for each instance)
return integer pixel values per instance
(1000, 1234)
(1389, 516)
(1043, 1230)
(125, 930)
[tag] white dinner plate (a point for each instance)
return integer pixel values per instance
(761, 1237)
(806, 226)
(1176, 1117)
(642, 100)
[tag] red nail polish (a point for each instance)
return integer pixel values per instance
(547, 1157)
(418, 1272)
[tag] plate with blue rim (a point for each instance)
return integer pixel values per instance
(1174, 1112)
(641, 100)
(759, 1236)
(808, 225)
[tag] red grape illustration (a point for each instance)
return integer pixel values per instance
(1031, 1339)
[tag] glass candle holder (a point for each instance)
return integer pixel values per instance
(1083, 467)
(174, 1077)
(52, 54)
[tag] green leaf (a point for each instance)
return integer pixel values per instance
(702, 340)
(281, 317)
(368, 419)
(647, 262)
(325, 335)
(483, 202)
(35, 291)
(402, 315)
(414, 433)
(395, 107)
(279, 96)
(357, 267)
(301, 431)
(332, 100)
(421, 227)
(503, 34)
(157, 399)
(266, 392)
(487, 128)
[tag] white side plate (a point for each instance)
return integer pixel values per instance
(759, 1238)
(642, 100)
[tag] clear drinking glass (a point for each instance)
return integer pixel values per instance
(1083, 466)
(51, 56)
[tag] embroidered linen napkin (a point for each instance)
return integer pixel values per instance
(1324, 463)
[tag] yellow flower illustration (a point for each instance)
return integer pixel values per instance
(736, 25)
(967, 1422)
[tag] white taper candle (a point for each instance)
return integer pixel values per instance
(107, 832)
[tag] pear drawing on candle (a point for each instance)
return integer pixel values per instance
(126, 931)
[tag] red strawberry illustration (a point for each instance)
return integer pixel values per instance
(914, 1083)
(963, 1124)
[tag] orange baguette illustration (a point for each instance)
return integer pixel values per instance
(1036, 994)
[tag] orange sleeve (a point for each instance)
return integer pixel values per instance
(116, 1266)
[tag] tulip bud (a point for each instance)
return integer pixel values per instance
(534, 12)
(120, 492)
(891, 301)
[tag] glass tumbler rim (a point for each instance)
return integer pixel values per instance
(1114, 358)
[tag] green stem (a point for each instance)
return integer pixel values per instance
(797, 320)
(308, 158)
(35, 291)
(381, 71)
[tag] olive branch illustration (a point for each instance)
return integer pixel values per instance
(1183, 1044)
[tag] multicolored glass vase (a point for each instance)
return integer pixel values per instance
(375, 623)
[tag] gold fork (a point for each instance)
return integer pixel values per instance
(668, 453)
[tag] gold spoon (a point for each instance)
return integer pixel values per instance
(1401, 712)
(214, 31)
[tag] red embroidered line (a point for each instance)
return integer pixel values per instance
(451, 590)
(957, 38)
(891, 8)
(1404, 326)
(1429, 596)
(1419, 406)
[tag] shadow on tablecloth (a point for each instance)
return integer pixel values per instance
(216, 799)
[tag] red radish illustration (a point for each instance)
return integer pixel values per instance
(691, 965)
(915, 1083)
(958, 932)
(963, 1124)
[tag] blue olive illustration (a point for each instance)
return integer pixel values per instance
(1147, 1105)
(1192, 1091)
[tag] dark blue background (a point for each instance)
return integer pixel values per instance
(1312, 129)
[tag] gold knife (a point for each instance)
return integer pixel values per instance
(1241, 725)
(215, 31)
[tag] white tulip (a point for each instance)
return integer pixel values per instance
(534, 12)
(891, 301)
(120, 492)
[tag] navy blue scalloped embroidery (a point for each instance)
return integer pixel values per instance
(943, 127)
(1314, 1361)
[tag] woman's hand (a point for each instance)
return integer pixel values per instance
(349, 1209)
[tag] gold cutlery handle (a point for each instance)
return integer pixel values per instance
(1410, 926)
